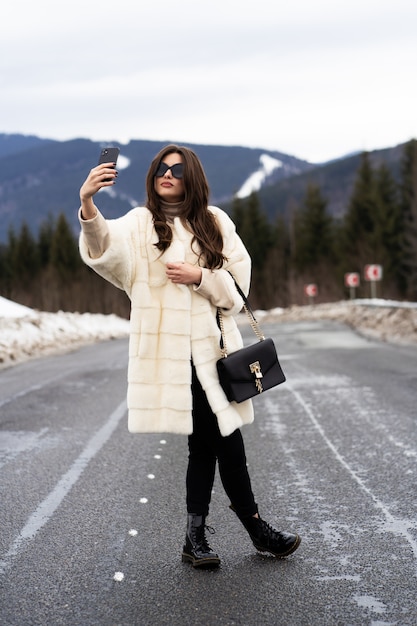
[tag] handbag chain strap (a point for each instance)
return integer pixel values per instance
(252, 320)
(220, 323)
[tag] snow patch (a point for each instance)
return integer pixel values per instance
(388, 320)
(26, 333)
(123, 162)
(372, 604)
(255, 181)
(12, 309)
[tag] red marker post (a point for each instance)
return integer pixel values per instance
(311, 291)
(373, 274)
(352, 280)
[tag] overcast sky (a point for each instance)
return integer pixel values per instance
(313, 78)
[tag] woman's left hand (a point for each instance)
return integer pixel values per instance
(183, 273)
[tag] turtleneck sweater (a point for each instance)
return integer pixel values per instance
(171, 209)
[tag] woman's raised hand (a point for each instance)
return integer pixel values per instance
(103, 175)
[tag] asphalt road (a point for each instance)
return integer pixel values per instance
(92, 518)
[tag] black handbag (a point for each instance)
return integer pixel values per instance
(250, 371)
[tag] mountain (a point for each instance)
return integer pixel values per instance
(11, 144)
(336, 180)
(41, 178)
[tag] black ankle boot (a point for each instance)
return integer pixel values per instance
(196, 549)
(266, 539)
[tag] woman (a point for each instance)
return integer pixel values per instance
(173, 257)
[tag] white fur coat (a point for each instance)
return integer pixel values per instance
(171, 323)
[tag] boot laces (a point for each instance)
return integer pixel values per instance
(270, 532)
(203, 539)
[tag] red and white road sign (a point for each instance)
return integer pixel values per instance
(373, 272)
(311, 290)
(352, 279)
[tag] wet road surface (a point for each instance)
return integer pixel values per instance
(92, 519)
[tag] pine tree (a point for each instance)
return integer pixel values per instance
(408, 200)
(45, 238)
(26, 259)
(3, 271)
(314, 255)
(8, 264)
(277, 267)
(256, 234)
(313, 232)
(65, 258)
(359, 222)
(389, 230)
(238, 213)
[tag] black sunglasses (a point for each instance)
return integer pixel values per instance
(177, 170)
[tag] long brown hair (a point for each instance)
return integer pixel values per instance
(194, 208)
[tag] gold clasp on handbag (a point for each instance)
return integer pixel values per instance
(255, 368)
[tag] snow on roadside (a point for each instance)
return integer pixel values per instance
(25, 333)
(12, 309)
(391, 321)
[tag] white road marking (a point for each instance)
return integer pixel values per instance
(25, 392)
(397, 526)
(47, 508)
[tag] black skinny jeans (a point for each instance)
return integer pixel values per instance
(206, 445)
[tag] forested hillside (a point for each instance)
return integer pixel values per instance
(309, 244)
(41, 178)
(336, 180)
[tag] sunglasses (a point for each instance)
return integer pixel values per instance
(177, 170)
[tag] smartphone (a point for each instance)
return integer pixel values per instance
(108, 155)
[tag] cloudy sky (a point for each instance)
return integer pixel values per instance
(315, 79)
